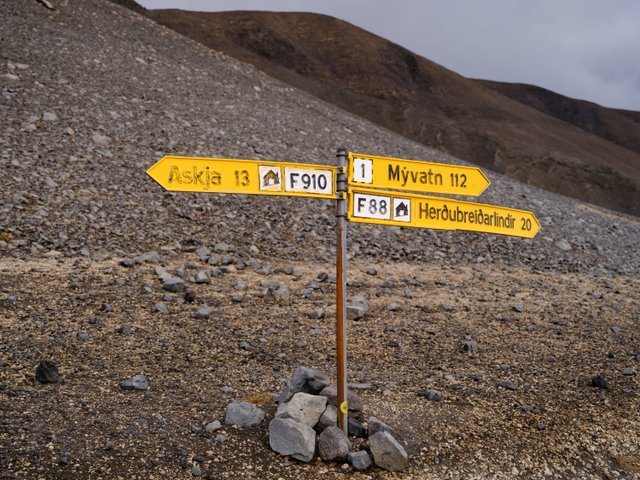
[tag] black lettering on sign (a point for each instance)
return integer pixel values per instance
(205, 177)
(404, 176)
(174, 174)
(242, 178)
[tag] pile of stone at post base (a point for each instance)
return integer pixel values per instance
(306, 423)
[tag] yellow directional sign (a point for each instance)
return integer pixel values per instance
(258, 177)
(421, 211)
(370, 171)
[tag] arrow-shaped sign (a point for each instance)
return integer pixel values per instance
(370, 171)
(421, 211)
(257, 177)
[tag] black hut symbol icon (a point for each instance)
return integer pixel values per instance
(271, 178)
(402, 209)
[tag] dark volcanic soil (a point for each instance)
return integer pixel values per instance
(571, 328)
(92, 95)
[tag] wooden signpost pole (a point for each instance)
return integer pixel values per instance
(341, 288)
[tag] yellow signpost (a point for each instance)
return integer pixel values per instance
(252, 177)
(362, 187)
(421, 211)
(370, 171)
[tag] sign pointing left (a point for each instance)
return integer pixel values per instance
(249, 177)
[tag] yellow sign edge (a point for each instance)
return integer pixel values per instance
(389, 193)
(331, 196)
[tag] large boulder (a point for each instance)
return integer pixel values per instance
(304, 408)
(243, 414)
(333, 445)
(306, 380)
(289, 437)
(387, 452)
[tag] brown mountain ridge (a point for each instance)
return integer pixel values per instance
(568, 146)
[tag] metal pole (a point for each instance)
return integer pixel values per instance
(341, 289)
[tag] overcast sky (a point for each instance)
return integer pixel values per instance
(587, 49)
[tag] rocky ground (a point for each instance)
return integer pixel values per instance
(511, 332)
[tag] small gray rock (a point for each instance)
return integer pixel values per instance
(162, 308)
(469, 346)
(202, 277)
(387, 452)
(101, 140)
(243, 414)
(329, 418)
(316, 313)
(628, 371)
(204, 312)
(213, 426)
(432, 395)
(84, 336)
(288, 437)
(508, 385)
(333, 445)
(307, 380)
(196, 471)
(353, 400)
(49, 117)
(529, 408)
(355, 427)
(357, 308)
(174, 284)
(376, 426)
(277, 294)
(600, 382)
(222, 247)
(137, 382)
(47, 372)
(563, 245)
(148, 257)
(304, 408)
(359, 460)
(518, 307)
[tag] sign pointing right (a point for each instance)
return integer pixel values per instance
(421, 211)
(370, 171)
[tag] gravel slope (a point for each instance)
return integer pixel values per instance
(92, 95)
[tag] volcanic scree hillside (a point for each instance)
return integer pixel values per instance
(566, 146)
